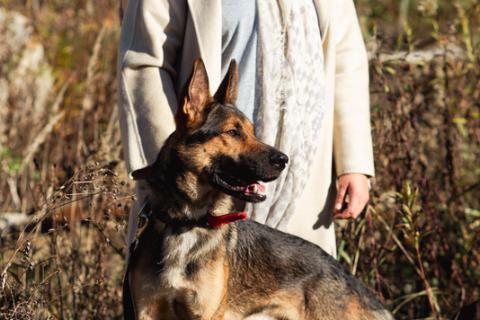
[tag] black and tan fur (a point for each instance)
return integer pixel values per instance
(184, 269)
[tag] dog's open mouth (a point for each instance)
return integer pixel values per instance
(252, 191)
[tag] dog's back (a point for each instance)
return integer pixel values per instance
(273, 269)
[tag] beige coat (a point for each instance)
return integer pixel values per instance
(161, 39)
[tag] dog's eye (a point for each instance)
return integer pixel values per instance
(233, 132)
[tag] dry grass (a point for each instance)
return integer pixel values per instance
(418, 244)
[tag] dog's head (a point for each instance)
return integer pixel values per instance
(216, 142)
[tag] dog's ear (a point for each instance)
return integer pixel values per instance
(198, 94)
(228, 90)
(142, 174)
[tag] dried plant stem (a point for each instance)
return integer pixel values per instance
(88, 98)
(43, 134)
(420, 57)
(57, 272)
(417, 265)
(398, 243)
(423, 276)
(12, 186)
(25, 236)
(101, 232)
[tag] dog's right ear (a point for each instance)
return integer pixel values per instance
(142, 174)
(198, 95)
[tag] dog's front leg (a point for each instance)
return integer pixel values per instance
(186, 306)
(206, 297)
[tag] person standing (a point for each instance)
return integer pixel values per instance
(303, 82)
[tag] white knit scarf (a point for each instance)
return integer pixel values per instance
(291, 88)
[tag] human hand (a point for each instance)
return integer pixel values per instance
(352, 195)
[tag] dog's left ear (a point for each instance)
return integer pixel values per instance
(142, 174)
(228, 90)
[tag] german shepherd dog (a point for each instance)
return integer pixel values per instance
(190, 263)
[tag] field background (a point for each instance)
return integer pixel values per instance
(64, 193)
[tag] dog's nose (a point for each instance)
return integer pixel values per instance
(278, 159)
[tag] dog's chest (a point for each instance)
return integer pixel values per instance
(178, 254)
(189, 267)
(184, 255)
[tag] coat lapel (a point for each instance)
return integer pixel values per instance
(207, 21)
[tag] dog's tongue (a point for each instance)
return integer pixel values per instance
(255, 188)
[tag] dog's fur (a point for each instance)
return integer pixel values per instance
(184, 269)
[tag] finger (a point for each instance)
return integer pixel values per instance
(352, 211)
(363, 199)
(340, 199)
(342, 215)
(356, 205)
(355, 210)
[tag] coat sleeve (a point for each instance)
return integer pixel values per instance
(152, 36)
(352, 141)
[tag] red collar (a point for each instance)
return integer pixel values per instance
(217, 221)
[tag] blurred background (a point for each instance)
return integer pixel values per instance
(64, 193)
